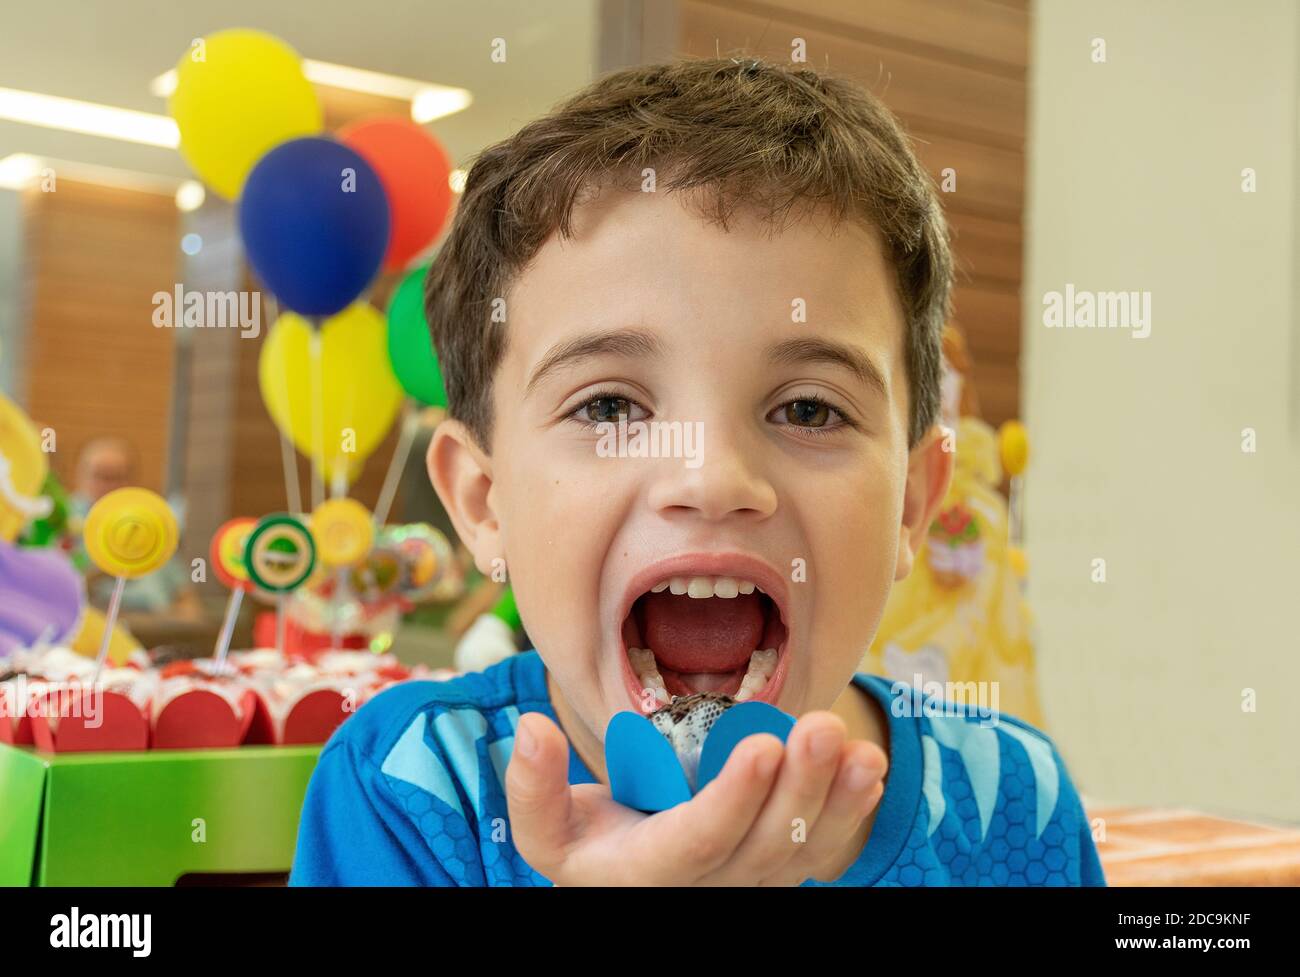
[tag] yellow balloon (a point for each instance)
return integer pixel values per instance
(355, 467)
(23, 467)
(239, 94)
(359, 395)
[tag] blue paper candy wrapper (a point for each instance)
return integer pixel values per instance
(657, 762)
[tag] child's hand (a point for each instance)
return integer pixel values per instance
(743, 828)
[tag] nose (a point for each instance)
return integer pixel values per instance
(725, 483)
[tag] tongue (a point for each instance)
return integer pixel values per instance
(713, 634)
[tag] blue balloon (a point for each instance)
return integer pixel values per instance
(314, 218)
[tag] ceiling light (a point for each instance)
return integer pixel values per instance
(18, 170)
(435, 101)
(190, 196)
(428, 101)
(73, 115)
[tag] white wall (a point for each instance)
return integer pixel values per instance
(1135, 183)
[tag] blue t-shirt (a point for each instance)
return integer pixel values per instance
(411, 791)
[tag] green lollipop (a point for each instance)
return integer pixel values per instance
(280, 553)
(279, 556)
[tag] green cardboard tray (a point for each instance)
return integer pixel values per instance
(148, 818)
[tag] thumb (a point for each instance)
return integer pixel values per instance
(538, 792)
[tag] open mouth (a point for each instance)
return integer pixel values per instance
(690, 632)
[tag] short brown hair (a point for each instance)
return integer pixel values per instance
(774, 139)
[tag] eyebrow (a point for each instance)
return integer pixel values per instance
(621, 342)
(639, 342)
(812, 350)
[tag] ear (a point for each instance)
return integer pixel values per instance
(461, 473)
(929, 473)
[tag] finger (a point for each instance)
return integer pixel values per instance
(538, 794)
(853, 796)
(812, 758)
(693, 839)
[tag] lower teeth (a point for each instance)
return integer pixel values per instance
(647, 673)
(762, 663)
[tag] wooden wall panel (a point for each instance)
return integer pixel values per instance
(206, 367)
(954, 72)
(984, 35)
(935, 94)
(990, 180)
(987, 250)
(95, 363)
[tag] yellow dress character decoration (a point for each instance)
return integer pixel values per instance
(23, 468)
(960, 616)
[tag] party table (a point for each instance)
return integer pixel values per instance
(149, 818)
(1152, 846)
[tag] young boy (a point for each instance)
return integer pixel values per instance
(744, 264)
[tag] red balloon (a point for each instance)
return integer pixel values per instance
(415, 173)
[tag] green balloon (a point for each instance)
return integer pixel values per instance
(506, 609)
(410, 346)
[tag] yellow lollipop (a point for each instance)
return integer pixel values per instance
(344, 532)
(130, 532)
(1013, 445)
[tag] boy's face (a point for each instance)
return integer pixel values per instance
(780, 356)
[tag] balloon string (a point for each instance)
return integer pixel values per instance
(289, 461)
(228, 628)
(396, 464)
(279, 623)
(44, 640)
(110, 622)
(340, 602)
(317, 418)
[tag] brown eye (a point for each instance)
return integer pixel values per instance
(807, 413)
(607, 409)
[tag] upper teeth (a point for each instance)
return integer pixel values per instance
(706, 586)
